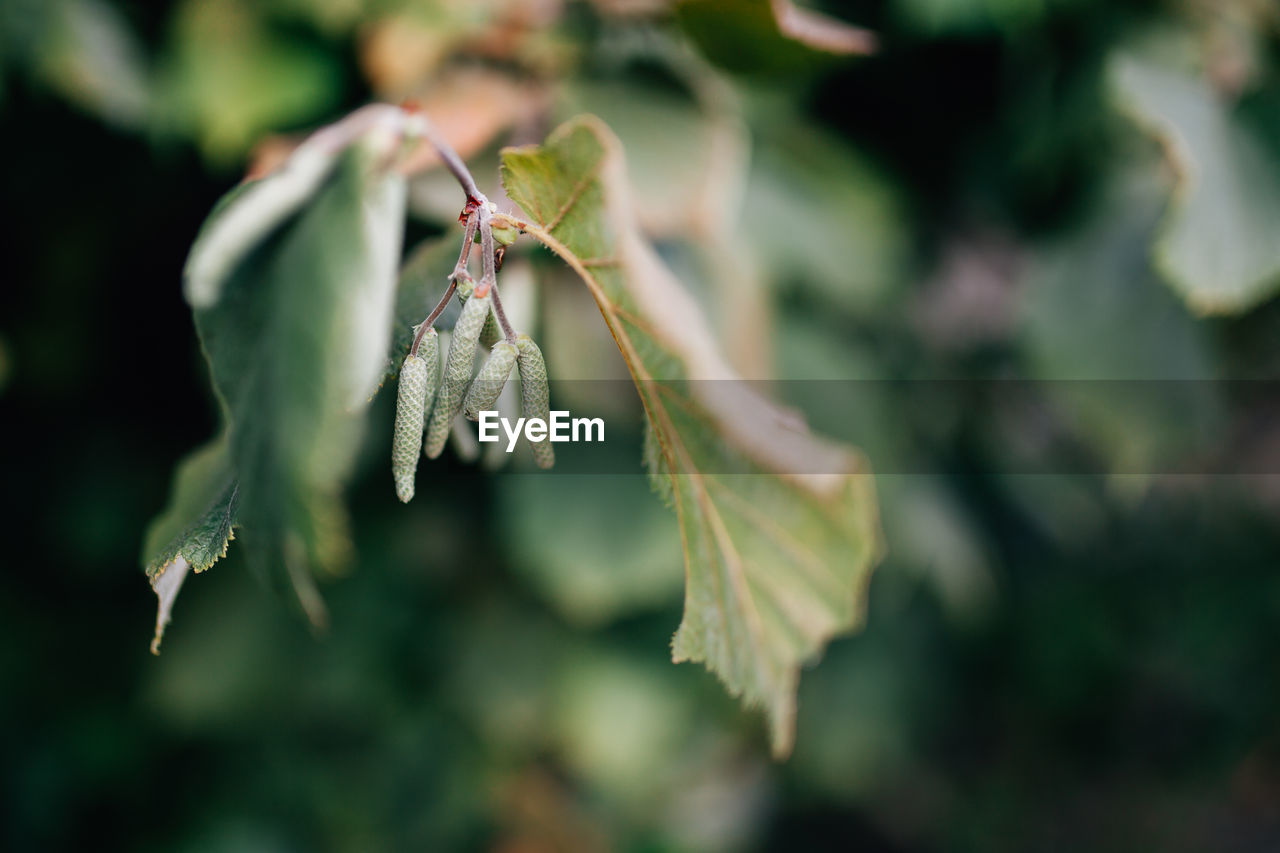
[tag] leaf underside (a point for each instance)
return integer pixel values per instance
(780, 528)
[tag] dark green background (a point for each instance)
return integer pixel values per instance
(1116, 690)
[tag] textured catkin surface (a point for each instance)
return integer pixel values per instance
(429, 351)
(490, 334)
(457, 373)
(411, 404)
(484, 391)
(535, 395)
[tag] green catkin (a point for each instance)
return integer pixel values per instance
(535, 396)
(457, 373)
(429, 351)
(486, 387)
(411, 401)
(490, 334)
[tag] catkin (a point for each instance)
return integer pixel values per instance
(490, 334)
(488, 383)
(429, 351)
(535, 396)
(457, 373)
(411, 400)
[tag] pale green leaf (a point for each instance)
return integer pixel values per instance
(245, 216)
(1217, 245)
(780, 527)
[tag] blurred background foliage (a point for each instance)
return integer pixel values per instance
(1052, 189)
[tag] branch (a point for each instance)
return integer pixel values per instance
(422, 126)
(489, 281)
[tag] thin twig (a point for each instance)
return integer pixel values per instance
(487, 262)
(478, 216)
(459, 271)
(449, 157)
(507, 332)
(489, 280)
(460, 268)
(431, 318)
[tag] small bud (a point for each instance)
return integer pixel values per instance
(457, 373)
(535, 396)
(505, 234)
(488, 383)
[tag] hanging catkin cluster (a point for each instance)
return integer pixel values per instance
(428, 402)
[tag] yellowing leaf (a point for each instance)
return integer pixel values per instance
(1217, 245)
(780, 527)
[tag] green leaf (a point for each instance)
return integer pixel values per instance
(292, 286)
(296, 342)
(1217, 245)
(195, 528)
(777, 556)
(203, 490)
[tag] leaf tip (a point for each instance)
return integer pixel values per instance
(166, 582)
